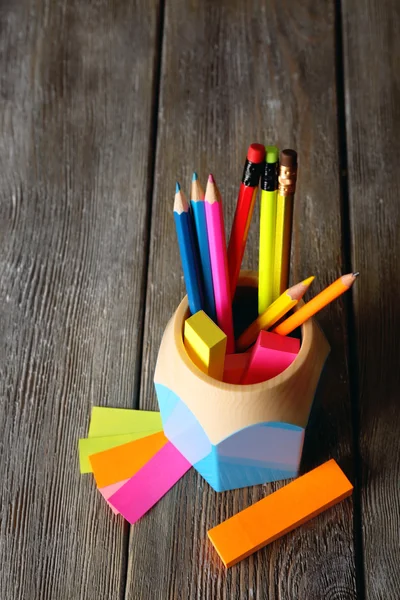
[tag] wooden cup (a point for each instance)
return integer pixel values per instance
(237, 435)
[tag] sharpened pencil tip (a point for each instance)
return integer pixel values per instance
(356, 274)
(194, 177)
(211, 178)
(308, 281)
(177, 187)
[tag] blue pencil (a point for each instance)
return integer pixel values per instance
(199, 214)
(188, 251)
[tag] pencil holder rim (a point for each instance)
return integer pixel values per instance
(246, 279)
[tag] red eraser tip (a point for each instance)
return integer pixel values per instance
(256, 153)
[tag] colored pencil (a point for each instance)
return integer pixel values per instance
(276, 311)
(199, 213)
(219, 262)
(330, 293)
(188, 251)
(244, 211)
(269, 190)
(284, 215)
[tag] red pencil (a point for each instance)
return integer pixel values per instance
(244, 211)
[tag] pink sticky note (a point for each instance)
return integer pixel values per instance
(234, 367)
(271, 354)
(152, 482)
(108, 490)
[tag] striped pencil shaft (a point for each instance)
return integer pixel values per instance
(283, 237)
(219, 267)
(266, 250)
(199, 214)
(190, 265)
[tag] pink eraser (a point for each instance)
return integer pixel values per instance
(271, 354)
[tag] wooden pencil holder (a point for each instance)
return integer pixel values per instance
(237, 435)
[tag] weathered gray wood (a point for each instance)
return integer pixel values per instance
(372, 80)
(75, 122)
(234, 73)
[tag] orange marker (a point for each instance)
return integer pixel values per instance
(333, 291)
(124, 461)
(279, 513)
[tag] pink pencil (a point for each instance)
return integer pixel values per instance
(219, 261)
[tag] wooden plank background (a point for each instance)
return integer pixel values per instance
(103, 104)
(372, 87)
(76, 97)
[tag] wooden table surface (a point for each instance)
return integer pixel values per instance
(103, 104)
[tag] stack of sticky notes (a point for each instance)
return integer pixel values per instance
(270, 356)
(132, 461)
(280, 512)
(134, 466)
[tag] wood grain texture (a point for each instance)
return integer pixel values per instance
(372, 86)
(75, 122)
(234, 73)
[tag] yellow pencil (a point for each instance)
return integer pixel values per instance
(284, 215)
(269, 190)
(273, 313)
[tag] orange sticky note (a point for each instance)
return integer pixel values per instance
(279, 513)
(124, 461)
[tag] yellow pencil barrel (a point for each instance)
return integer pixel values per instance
(284, 213)
(266, 249)
(269, 187)
(283, 236)
(273, 313)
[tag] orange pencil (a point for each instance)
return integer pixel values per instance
(333, 291)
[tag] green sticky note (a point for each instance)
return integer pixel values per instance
(117, 421)
(89, 446)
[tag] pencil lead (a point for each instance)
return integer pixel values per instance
(211, 178)
(356, 274)
(194, 178)
(177, 187)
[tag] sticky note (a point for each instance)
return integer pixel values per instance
(122, 462)
(205, 344)
(271, 354)
(88, 446)
(279, 513)
(151, 483)
(109, 490)
(234, 367)
(117, 421)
